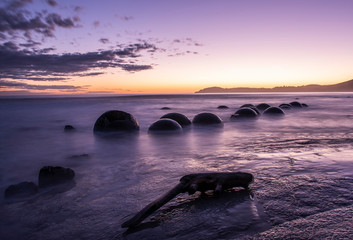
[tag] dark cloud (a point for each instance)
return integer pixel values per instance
(16, 22)
(30, 44)
(104, 40)
(88, 74)
(44, 50)
(133, 50)
(52, 3)
(175, 51)
(96, 23)
(101, 92)
(76, 19)
(20, 85)
(125, 18)
(134, 67)
(41, 66)
(18, 3)
(191, 52)
(188, 42)
(77, 8)
(10, 46)
(30, 77)
(55, 19)
(16, 92)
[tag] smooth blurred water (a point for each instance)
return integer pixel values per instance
(118, 175)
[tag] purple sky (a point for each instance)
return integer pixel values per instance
(49, 46)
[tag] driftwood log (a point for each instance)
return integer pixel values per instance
(191, 183)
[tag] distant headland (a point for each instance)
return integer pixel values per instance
(339, 87)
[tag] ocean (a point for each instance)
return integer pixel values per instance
(302, 164)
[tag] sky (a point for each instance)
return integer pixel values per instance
(142, 47)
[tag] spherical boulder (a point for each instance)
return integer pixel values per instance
(180, 118)
(296, 104)
(285, 106)
(273, 111)
(206, 118)
(262, 106)
(115, 120)
(165, 125)
(68, 128)
(248, 105)
(222, 107)
(256, 110)
(49, 176)
(23, 189)
(244, 113)
(165, 108)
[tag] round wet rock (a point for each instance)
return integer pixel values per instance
(68, 128)
(262, 106)
(247, 105)
(296, 104)
(116, 121)
(207, 118)
(178, 117)
(53, 175)
(222, 107)
(165, 125)
(273, 111)
(285, 106)
(23, 189)
(244, 113)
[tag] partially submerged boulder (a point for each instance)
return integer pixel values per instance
(273, 111)
(256, 110)
(296, 104)
(115, 120)
(53, 175)
(248, 105)
(244, 113)
(178, 117)
(207, 118)
(68, 128)
(262, 106)
(222, 107)
(285, 106)
(252, 106)
(165, 124)
(23, 189)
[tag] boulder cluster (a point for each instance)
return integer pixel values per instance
(250, 111)
(48, 176)
(119, 121)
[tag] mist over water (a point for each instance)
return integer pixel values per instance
(301, 162)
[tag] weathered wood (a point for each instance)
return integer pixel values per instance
(153, 206)
(191, 183)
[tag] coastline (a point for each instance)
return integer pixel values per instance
(346, 86)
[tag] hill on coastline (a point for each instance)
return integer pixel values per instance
(339, 87)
